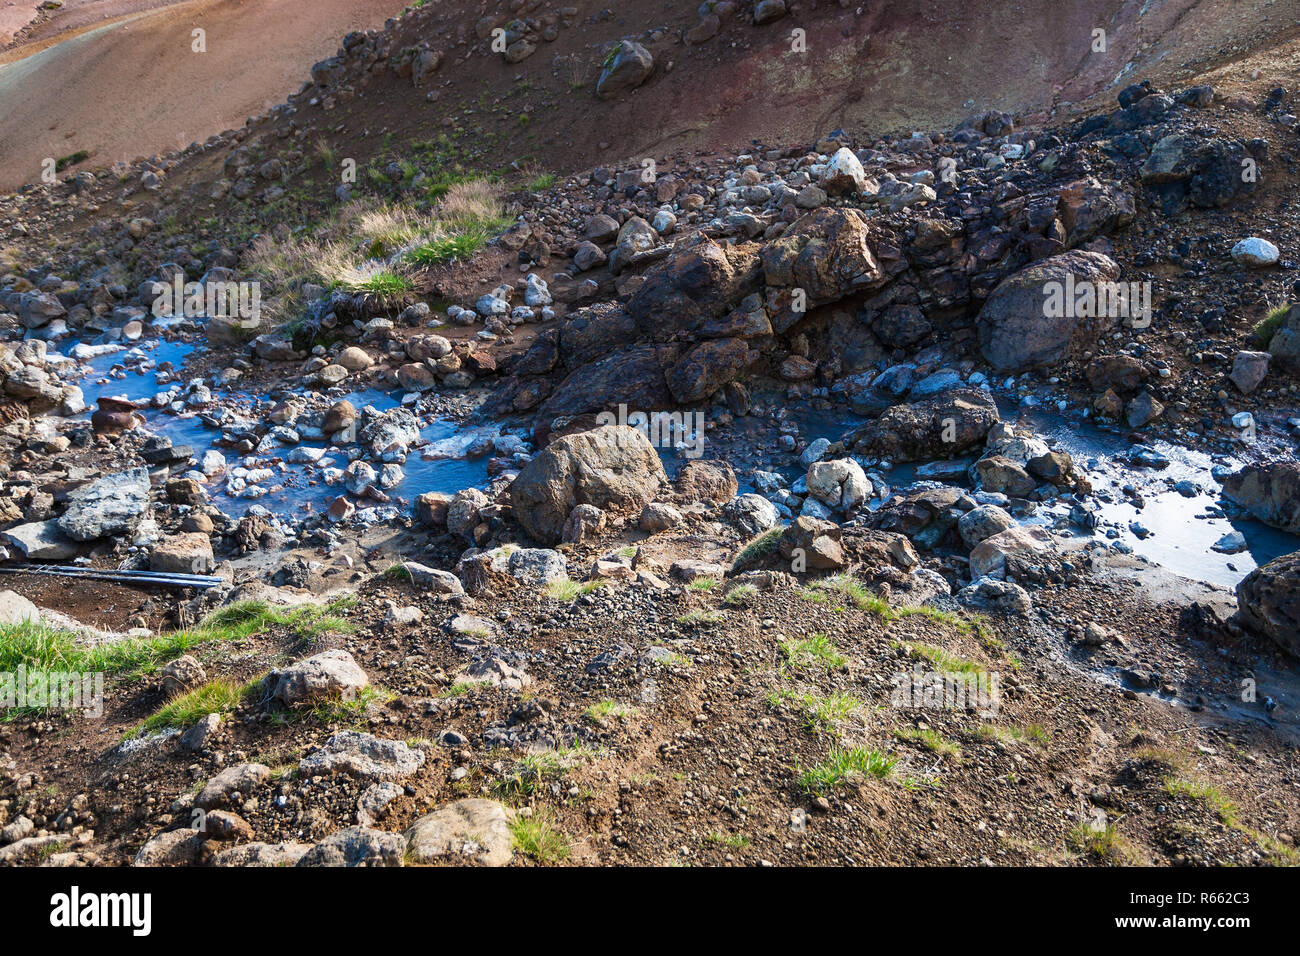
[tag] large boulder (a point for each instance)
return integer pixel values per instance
(752, 514)
(585, 336)
(982, 523)
(635, 238)
(189, 553)
(36, 309)
(699, 281)
(706, 480)
(938, 427)
(1031, 320)
(112, 505)
(627, 67)
(811, 544)
(1089, 207)
(1268, 601)
(613, 467)
(928, 517)
(392, 433)
(1009, 552)
(826, 256)
(41, 541)
(706, 368)
(537, 566)
(1270, 492)
(1002, 475)
(634, 378)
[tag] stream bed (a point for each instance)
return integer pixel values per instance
(1159, 502)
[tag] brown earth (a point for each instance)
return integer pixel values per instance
(895, 67)
(119, 80)
(695, 752)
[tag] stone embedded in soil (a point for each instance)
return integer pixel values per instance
(1268, 601)
(15, 609)
(241, 779)
(262, 854)
(184, 554)
(1249, 370)
(326, 676)
(183, 674)
(657, 516)
(374, 801)
(225, 827)
(537, 566)
(196, 738)
(362, 755)
(432, 580)
(492, 669)
(356, 846)
(691, 569)
(466, 831)
(173, 847)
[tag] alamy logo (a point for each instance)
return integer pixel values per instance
(1087, 299)
(920, 689)
(55, 690)
(681, 430)
(74, 909)
(225, 300)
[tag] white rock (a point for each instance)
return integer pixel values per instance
(1255, 252)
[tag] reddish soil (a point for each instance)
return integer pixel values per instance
(122, 81)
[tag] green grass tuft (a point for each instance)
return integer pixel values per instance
(42, 648)
(537, 836)
(844, 766)
(815, 649)
(931, 740)
(1267, 327)
(215, 697)
(566, 589)
(765, 544)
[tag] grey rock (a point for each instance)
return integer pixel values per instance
(466, 831)
(362, 755)
(356, 846)
(112, 505)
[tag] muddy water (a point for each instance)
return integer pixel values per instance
(298, 487)
(1173, 528)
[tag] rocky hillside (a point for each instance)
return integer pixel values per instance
(852, 495)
